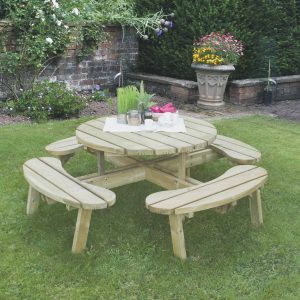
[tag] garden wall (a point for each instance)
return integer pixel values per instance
(250, 91)
(242, 92)
(97, 69)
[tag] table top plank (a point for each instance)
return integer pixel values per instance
(208, 137)
(199, 127)
(199, 135)
(131, 147)
(171, 141)
(157, 147)
(97, 144)
(200, 143)
(198, 121)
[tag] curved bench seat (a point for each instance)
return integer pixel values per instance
(236, 183)
(235, 150)
(47, 177)
(64, 149)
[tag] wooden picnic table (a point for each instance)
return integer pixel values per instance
(161, 146)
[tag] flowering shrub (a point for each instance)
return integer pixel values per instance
(48, 100)
(42, 33)
(217, 49)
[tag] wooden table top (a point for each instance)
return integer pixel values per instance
(199, 134)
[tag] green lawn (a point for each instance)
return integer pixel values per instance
(129, 254)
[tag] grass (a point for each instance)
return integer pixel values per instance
(129, 253)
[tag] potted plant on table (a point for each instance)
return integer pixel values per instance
(126, 100)
(214, 57)
(144, 100)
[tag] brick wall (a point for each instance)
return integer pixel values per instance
(99, 68)
(250, 91)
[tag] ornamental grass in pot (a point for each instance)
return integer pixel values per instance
(214, 57)
(126, 100)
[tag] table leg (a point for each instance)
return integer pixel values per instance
(182, 166)
(100, 162)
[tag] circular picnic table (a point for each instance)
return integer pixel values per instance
(199, 134)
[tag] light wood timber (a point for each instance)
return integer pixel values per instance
(132, 148)
(158, 147)
(64, 147)
(46, 176)
(118, 177)
(235, 150)
(233, 185)
(182, 166)
(177, 235)
(100, 162)
(256, 209)
(33, 201)
(81, 230)
(165, 180)
(91, 135)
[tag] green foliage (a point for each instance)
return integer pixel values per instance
(100, 95)
(48, 100)
(268, 29)
(127, 99)
(42, 30)
(144, 98)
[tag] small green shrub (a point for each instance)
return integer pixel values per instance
(49, 100)
(100, 95)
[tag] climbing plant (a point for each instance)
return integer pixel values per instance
(42, 30)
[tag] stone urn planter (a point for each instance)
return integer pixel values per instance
(212, 82)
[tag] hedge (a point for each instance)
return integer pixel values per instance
(268, 28)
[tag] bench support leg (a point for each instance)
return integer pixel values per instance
(256, 209)
(32, 201)
(82, 229)
(100, 162)
(64, 158)
(177, 235)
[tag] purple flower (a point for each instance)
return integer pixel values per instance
(97, 87)
(159, 32)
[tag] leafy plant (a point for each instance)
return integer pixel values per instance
(49, 100)
(144, 98)
(42, 30)
(100, 95)
(127, 99)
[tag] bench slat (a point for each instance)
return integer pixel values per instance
(236, 151)
(168, 203)
(160, 196)
(64, 147)
(224, 197)
(49, 190)
(64, 182)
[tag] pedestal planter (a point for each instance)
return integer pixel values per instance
(212, 82)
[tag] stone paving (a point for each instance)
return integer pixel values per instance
(289, 109)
